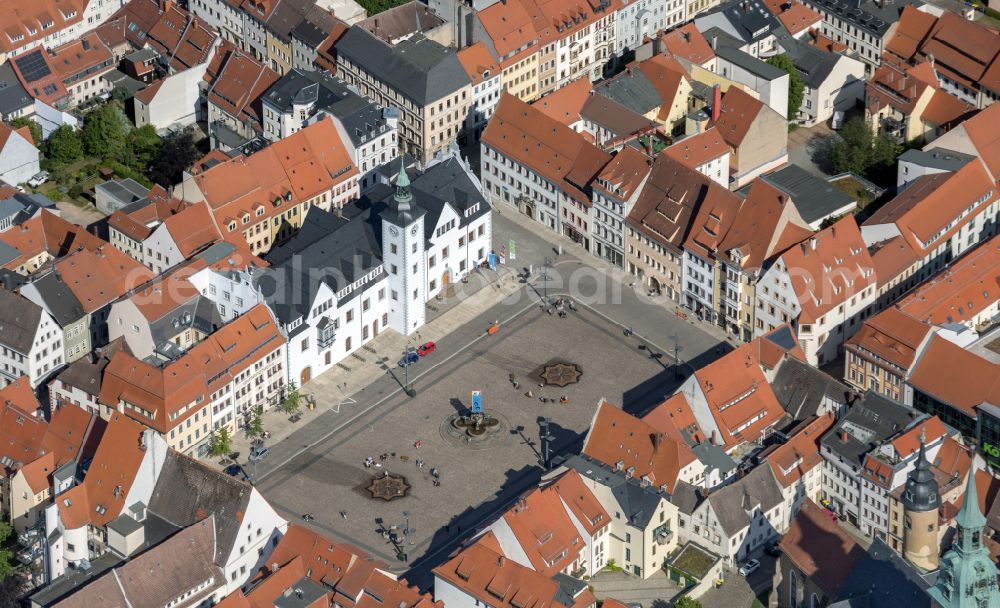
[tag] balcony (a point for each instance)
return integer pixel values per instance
(663, 534)
(326, 333)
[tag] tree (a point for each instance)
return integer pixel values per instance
(105, 132)
(177, 153)
(8, 566)
(143, 148)
(861, 151)
(685, 601)
(63, 147)
(796, 88)
(257, 422)
(36, 131)
(222, 443)
(121, 94)
(293, 399)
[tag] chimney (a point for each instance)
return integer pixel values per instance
(812, 243)
(656, 438)
(843, 436)
(649, 144)
(715, 42)
(716, 102)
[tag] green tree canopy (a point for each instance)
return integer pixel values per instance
(796, 88)
(7, 564)
(105, 132)
(63, 147)
(293, 399)
(257, 422)
(222, 443)
(143, 148)
(685, 601)
(36, 131)
(860, 150)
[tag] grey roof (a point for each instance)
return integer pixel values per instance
(13, 96)
(419, 68)
(118, 78)
(215, 252)
(124, 524)
(747, 20)
(187, 491)
(869, 422)
(883, 579)
(813, 64)
(125, 190)
(19, 320)
(631, 89)
(361, 117)
(686, 497)
(783, 337)
(198, 313)
(569, 588)
(74, 579)
(800, 388)
(734, 504)
(309, 33)
(719, 38)
(58, 299)
(714, 457)
(142, 55)
(638, 504)
(286, 16)
(306, 593)
(402, 20)
(86, 372)
(23, 206)
(749, 63)
(614, 117)
(814, 197)
(7, 254)
(936, 158)
(873, 16)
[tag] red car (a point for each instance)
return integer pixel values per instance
(426, 349)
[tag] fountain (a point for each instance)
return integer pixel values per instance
(388, 486)
(560, 374)
(477, 422)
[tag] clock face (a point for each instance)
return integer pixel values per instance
(393, 231)
(413, 231)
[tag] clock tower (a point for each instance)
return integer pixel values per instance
(968, 577)
(403, 257)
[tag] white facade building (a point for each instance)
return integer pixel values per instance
(31, 343)
(641, 19)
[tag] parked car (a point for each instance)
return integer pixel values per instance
(426, 349)
(749, 567)
(773, 550)
(38, 179)
(409, 358)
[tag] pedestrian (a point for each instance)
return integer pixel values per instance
(343, 514)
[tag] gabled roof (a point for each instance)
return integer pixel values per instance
(735, 503)
(483, 572)
(192, 229)
(687, 43)
(97, 278)
(801, 388)
(739, 111)
(565, 103)
(20, 319)
(870, 421)
(34, 20)
(817, 545)
(766, 224)
(545, 146)
(829, 269)
(622, 177)
(542, 527)
(239, 85)
(38, 76)
(892, 336)
(791, 460)
(157, 576)
(101, 496)
(47, 233)
(618, 438)
(925, 211)
(696, 150)
(478, 62)
(956, 376)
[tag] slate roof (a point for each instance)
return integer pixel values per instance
(13, 96)
(883, 579)
(419, 68)
(813, 64)
(731, 503)
(814, 198)
(686, 497)
(631, 89)
(747, 20)
(749, 62)
(638, 504)
(187, 492)
(870, 15)
(19, 320)
(937, 158)
(868, 423)
(800, 387)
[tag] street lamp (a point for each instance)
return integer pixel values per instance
(546, 438)
(545, 279)
(677, 351)
(406, 372)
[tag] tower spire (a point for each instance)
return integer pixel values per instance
(403, 195)
(970, 516)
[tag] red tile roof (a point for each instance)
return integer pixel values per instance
(544, 530)
(686, 42)
(86, 57)
(237, 89)
(565, 103)
(29, 20)
(482, 572)
(891, 258)
(101, 496)
(767, 223)
(100, 276)
(478, 62)
(956, 376)
(547, 147)
(739, 111)
(698, 149)
(829, 269)
(960, 292)
(618, 437)
(892, 336)
(623, 176)
(790, 460)
(908, 442)
(47, 233)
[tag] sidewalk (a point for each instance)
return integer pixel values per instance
(332, 390)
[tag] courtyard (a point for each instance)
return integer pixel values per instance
(477, 476)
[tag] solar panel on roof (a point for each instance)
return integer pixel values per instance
(33, 66)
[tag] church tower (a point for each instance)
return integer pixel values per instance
(403, 258)
(968, 578)
(920, 514)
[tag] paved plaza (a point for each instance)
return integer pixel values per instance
(481, 477)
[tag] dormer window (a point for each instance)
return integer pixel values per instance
(260, 211)
(232, 226)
